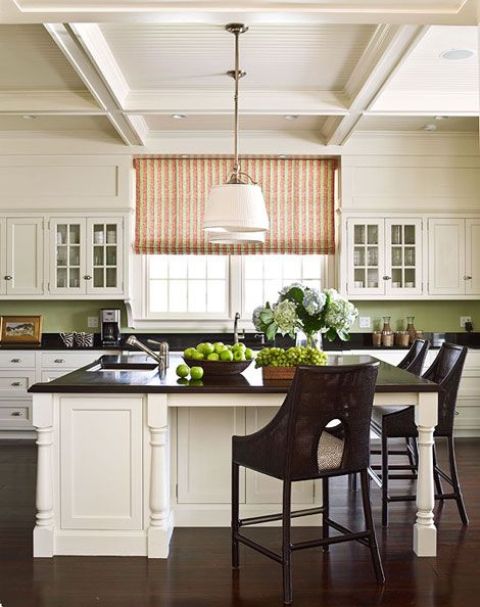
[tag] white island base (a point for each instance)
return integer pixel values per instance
(114, 470)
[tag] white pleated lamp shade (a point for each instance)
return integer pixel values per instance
(235, 207)
(236, 237)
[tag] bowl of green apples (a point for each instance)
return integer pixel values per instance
(218, 358)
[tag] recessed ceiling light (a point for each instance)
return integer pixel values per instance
(28, 117)
(179, 116)
(430, 128)
(456, 54)
(291, 116)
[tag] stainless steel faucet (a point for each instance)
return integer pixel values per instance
(161, 357)
(236, 336)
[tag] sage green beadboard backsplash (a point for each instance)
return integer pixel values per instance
(429, 315)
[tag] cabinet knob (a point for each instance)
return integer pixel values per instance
(467, 278)
(15, 414)
(87, 277)
(15, 383)
(15, 360)
(387, 277)
(59, 360)
(8, 277)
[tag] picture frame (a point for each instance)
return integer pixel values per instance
(21, 329)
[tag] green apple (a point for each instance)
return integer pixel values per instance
(238, 355)
(248, 354)
(182, 370)
(219, 346)
(213, 356)
(197, 355)
(239, 346)
(188, 353)
(207, 348)
(199, 347)
(196, 373)
(226, 356)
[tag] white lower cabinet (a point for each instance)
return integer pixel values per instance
(102, 462)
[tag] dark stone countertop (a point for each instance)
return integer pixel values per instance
(93, 379)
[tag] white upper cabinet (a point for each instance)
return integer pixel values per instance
(24, 262)
(104, 256)
(67, 256)
(454, 256)
(3, 271)
(384, 257)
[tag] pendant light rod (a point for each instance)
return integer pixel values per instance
(236, 29)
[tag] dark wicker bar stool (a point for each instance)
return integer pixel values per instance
(412, 362)
(296, 446)
(390, 422)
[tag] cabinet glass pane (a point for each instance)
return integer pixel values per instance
(62, 253)
(372, 278)
(359, 256)
(74, 278)
(359, 234)
(98, 278)
(409, 256)
(98, 234)
(409, 234)
(74, 232)
(61, 236)
(74, 255)
(397, 257)
(397, 278)
(111, 277)
(372, 234)
(61, 277)
(111, 234)
(397, 234)
(372, 256)
(111, 256)
(98, 255)
(359, 278)
(410, 278)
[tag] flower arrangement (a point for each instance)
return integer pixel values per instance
(302, 308)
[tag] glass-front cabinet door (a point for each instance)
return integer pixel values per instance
(403, 257)
(366, 248)
(67, 256)
(104, 256)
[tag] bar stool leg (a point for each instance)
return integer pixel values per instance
(436, 476)
(286, 549)
(456, 485)
(367, 509)
(235, 509)
(384, 479)
(326, 511)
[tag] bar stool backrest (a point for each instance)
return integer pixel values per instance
(415, 358)
(446, 370)
(317, 396)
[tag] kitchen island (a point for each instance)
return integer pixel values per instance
(106, 451)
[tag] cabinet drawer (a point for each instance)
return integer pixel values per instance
(15, 383)
(14, 359)
(15, 415)
(60, 359)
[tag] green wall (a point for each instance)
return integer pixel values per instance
(62, 315)
(429, 315)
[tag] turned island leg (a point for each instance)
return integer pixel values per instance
(43, 534)
(161, 521)
(425, 532)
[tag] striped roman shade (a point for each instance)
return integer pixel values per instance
(171, 195)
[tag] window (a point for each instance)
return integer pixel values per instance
(181, 288)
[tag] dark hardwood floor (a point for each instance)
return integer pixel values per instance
(198, 574)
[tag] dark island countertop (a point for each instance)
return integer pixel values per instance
(98, 378)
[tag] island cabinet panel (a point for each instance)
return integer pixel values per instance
(262, 489)
(205, 453)
(101, 462)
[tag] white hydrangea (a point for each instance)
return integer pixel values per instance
(340, 313)
(285, 316)
(313, 301)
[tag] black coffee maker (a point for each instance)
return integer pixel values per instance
(110, 327)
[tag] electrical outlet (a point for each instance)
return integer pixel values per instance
(464, 319)
(92, 322)
(365, 322)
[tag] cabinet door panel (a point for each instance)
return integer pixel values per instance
(105, 256)
(365, 257)
(24, 256)
(205, 453)
(101, 455)
(446, 256)
(67, 256)
(403, 257)
(472, 261)
(261, 489)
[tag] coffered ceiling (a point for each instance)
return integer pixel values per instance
(141, 70)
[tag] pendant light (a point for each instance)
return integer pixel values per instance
(236, 210)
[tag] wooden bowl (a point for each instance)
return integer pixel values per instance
(220, 367)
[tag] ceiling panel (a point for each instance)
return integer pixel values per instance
(31, 61)
(56, 123)
(275, 56)
(225, 123)
(425, 70)
(417, 123)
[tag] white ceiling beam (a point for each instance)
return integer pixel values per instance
(321, 103)
(95, 83)
(386, 51)
(440, 12)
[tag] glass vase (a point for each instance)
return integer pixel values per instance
(309, 340)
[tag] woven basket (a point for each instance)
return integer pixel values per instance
(278, 372)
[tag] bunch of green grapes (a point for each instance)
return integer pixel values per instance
(297, 355)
